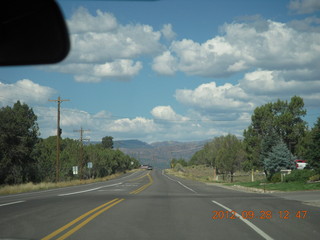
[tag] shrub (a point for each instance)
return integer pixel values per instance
(315, 178)
(178, 168)
(276, 177)
(299, 175)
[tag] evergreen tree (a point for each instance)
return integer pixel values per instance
(313, 153)
(279, 158)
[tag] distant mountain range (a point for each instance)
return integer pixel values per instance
(159, 154)
(130, 144)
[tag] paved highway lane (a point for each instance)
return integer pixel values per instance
(151, 205)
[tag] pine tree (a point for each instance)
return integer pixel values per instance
(279, 158)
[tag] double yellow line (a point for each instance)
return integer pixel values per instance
(90, 215)
(144, 186)
(96, 211)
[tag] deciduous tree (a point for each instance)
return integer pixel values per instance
(18, 134)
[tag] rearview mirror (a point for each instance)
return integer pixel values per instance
(32, 32)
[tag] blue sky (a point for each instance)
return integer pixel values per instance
(172, 69)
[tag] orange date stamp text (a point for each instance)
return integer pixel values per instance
(284, 214)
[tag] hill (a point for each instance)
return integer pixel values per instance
(159, 154)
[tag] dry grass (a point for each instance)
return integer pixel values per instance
(30, 187)
(205, 174)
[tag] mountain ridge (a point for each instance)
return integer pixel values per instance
(159, 154)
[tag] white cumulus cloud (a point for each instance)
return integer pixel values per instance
(167, 32)
(304, 6)
(26, 91)
(166, 113)
(102, 48)
(269, 45)
(210, 97)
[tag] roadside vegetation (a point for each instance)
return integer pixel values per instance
(276, 137)
(31, 187)
(29, 162)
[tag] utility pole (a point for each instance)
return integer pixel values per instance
(81, 148)
(59, 131)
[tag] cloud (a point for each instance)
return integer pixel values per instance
(166, 125)
(166, 113)
(136, 125)
(98, 125)
(82, 21)
(304, 6)
(118, 68)
(167, 32)
(164, 64)
(309, 24)
(26, 91)
(102, 48)
(212, 98)
(229, 106)
(269, 45)
(277, 83)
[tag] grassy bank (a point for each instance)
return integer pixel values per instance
(282, 186)
(205, 174)
(30, 187)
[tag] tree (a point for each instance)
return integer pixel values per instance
(180, 161)
(18, 135)
(280, 119)
(252, 148)
(278, 158)
(268, 141)
(107, 142)
(44, 154)
(230, 154)
(314, 154)
(310, 147)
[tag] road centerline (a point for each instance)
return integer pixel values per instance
(89, 219)
(140, 189)
(68, 225)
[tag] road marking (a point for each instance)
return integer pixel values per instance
(89, 190)
(132, 180)
(113, 190)
(10, 203)
(65, 227)
(179, 183)
(250, 224)
(76, 228)
(186, 187)
(140, 189)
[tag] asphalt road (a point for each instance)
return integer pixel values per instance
(152, 205)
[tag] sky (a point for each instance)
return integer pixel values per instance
(173, 70)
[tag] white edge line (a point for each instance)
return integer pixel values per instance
(6, 204)
(250, 224)
(179, 183)
(187, 187)
(89, 190)
(58, 189)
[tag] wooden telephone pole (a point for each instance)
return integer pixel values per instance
(59, 131)
(81, 148)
